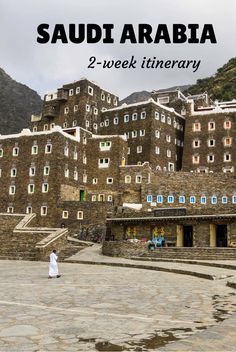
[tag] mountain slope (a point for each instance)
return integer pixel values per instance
(17, 103)
(221, 86)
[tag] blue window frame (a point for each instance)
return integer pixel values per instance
(192, 200)
(149, 198)
(159, 199)
(224, 200)
(182, 199)
(170, 199)
(203, 200)
(234, 199)
(213, 200)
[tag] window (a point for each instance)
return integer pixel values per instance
(126, 118)
(168, 138)
(13, 172)
(66, 110)
(66, 151)
(163, 118)
(128, 150)
(195, 159)
(234, 199)
(75, 175)
(45, 127)
(45, 187)
(227, 141)
(29, 210)
(203, 200)
(106, 123)
(192, 200)
(44, 210)
(65, 214)
(224, 200)
(115, 102)
(87, 108)
(48, 148)
(170, 199)
(65, 124)
(94, 181)
(87, 123)
(77, 90)
(67, 172)
(157, 134)
(149, 198)
(90, 90)
(211, 126)
(157, 115)
(196, 127)
(12, 189)
(10, 209)
(196, 143)
(1, 153)
(138, 179)
(103, 162)
(76, 108)
(168, 153)
(227, 157)
(85, 177)
(210, 158)
(108, 98)
(46, 170)
(32, 171)
(74, 123)
(84, 159)
(159, 199)
(52, 125)
(139, 149)
(94, 198)
(227, 125)
(95, 126)
(84, 140)
(109, 198)
(31, 188)
(171, 166)
(15, 151)
(142, 133)
(211, 142)
(35, 129)
(134, 134)
(157, 150)
(134, 116)
(213, 200)
(95, 111)
(71, 92)
(181, 199)
(101, 198)
(80, 215)
(103, 97)
(116, 121)
(104, 146)
(34, 149)
(143, 115)
(127, 179)
(169, 120)
(109, 180)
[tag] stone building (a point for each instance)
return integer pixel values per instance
(154, 133)
(161, 166)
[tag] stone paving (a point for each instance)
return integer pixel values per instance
(106, 308)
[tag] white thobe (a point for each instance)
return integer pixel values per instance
(53, 268)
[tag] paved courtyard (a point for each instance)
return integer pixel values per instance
(105, 308)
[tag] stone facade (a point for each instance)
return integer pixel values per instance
(134, 161)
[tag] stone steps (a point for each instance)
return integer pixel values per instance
(68, 251)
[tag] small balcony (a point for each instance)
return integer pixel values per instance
(50, 110)
(62, 94)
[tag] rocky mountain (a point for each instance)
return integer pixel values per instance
(17, 103)
(221, 86)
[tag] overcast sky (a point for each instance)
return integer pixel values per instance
(46, 67)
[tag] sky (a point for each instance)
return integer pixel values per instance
(46, 67)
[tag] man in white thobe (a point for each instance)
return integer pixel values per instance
(53, 267)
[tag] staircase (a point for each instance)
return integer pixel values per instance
(72, 247)
(203, 253)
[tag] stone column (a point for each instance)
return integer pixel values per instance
(212, 235)
(180, 236)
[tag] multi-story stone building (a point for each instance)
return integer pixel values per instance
(140, 165)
